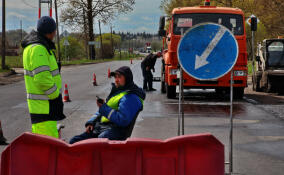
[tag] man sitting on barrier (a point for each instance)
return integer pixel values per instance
(116, 118)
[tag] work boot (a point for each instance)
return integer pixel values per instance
(152, 89)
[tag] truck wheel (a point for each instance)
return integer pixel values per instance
(163, 85)
(171, 91)
(238, 92)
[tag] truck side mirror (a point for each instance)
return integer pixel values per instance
(257, 58)
(253, 24)
(162, 31)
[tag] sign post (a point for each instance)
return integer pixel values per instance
(209, 51)
(65, 44)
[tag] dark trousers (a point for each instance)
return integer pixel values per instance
(111, 134)
(147, 78)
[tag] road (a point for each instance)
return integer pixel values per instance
(258, 126)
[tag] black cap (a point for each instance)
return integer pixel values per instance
(126, 72)
(46, 25)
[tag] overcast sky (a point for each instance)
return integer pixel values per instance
(144, 17)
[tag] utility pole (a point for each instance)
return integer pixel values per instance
(57, 31)
(111, 39)
(85, 33)
(21, 27)
(102, 50)
(3, 34)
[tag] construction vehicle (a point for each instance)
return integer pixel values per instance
(269, 74)
(183, 19)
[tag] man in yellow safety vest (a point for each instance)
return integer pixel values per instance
(42, 78)
(116, 118)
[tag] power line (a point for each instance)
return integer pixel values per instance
(24, 1)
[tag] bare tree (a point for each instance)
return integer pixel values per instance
(80, 14)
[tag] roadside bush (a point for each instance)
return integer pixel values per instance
(74, 51)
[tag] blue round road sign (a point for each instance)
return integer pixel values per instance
(208, 51)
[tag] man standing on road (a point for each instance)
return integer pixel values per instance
(147, 65)
(116, 118)
(42, 78)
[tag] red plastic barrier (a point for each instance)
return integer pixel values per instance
(185, 155)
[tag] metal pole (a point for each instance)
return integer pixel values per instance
(21, 26)
(182, 102)
(231, 124)
(65, 53)
(111, 40)
(50, 8)
(3, 33)
(179, 100)
(180, 105)
(101, 39)
(252, 51)
(39, 9)
(57, 30)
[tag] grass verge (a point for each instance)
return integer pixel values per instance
(17, 61)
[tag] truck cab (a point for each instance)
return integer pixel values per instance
(269, 74)
(182, 19)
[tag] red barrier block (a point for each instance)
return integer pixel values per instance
(32, 154)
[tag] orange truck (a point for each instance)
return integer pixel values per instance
(231, 18)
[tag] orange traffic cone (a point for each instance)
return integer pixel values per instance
(130, 61)
(108, 73)
(94, 80)
(66, 94)
(3, 140)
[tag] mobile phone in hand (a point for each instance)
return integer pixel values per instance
(100, 100)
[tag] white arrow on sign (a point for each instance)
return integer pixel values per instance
(201, 61)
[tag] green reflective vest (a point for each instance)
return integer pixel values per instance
(42, 78)
(113, 102)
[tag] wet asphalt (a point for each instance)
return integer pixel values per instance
(258, 132)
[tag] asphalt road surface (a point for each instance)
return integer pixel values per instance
(258, 126)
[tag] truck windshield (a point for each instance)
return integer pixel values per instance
(276, 54)
(186, 21)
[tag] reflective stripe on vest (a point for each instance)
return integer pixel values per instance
(36, 71)
(39, 70)
(41, 97)
(55, 72)
(51, 90)
(113, 102)
(37, 97)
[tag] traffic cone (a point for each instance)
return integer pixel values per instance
(130, 61)
(94, 80)
(108, 73)
(3, 140)
(66, 94)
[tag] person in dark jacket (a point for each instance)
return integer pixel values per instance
(147, 65)
(116, 117)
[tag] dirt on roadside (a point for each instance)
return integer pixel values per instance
(10, 77)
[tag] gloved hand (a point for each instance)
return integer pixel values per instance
(100, 102)
(56, 108)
